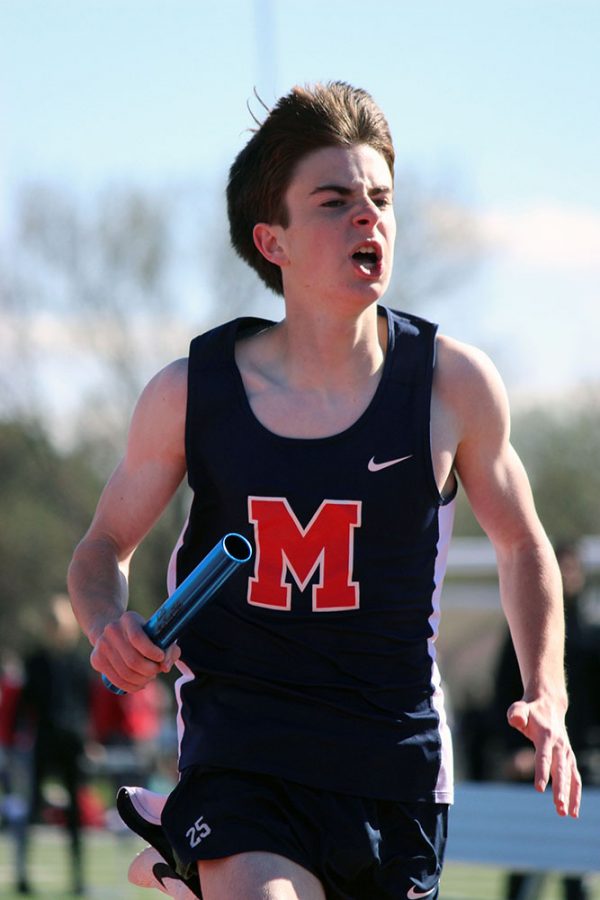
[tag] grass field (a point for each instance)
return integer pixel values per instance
(108, 857)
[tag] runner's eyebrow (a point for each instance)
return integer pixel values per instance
(335, 188)
(346, 191)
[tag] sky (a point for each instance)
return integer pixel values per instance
(502, 99)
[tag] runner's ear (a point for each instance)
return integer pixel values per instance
(268, 239)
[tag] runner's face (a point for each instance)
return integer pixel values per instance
(340, 237)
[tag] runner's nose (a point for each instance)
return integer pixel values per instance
(367, 213)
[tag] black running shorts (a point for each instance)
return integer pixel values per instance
(359, 848)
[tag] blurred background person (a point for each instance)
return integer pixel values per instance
(14, 756)
(512, 755)
(55, 704)
(128, 731)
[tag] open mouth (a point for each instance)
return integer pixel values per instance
(368, 258)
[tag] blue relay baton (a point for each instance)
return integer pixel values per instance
(169, 620)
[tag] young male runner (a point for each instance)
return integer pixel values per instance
(315, 756)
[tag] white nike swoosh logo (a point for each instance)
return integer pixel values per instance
(375, 467)
(414, 894)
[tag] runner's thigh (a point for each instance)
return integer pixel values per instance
(258, 876)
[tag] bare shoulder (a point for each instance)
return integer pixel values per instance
(467, 383)
(171, 379)
(460, 365)
(158, 421)
(151, 468)
(168, 388)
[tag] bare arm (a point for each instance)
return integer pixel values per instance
(133, 499)
(530, 585)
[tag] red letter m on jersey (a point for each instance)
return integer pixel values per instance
(283, 545)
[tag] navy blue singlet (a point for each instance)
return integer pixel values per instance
(316, 662)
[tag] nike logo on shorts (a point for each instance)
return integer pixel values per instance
(414, 894)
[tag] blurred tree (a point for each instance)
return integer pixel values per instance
(48, 499)
(437, 248)
(560, 448)
(86, 298)
(87, 314)
(46, 502)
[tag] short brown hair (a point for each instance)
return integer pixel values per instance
(305, 120)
